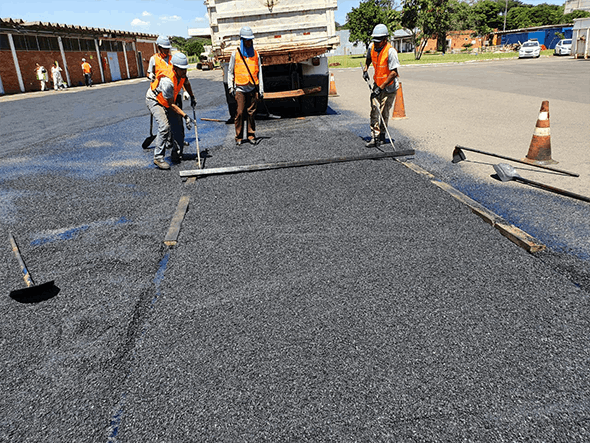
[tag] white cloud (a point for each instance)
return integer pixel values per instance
(146, 14)
(138, 22)
(170, 18)
(202, 19)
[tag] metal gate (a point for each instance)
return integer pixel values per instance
(114, 66)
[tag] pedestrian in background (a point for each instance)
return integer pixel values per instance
(42, 76)
(161, 101)
(87, 70)
(384, 58)
(244, 76)
(58, 82)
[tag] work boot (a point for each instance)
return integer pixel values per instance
(382, 139)
(373, 143)
(175, 156)
(160, 163)
(238, 142)
(252, 140)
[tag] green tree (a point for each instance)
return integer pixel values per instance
(569, 18)
(487, 17)
(426, 19)
(361, 21)
(462, 15)
(193, 47)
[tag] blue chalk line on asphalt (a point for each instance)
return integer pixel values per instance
(71, 232)
(119, 410)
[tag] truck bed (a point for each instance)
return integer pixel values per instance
(286, 31)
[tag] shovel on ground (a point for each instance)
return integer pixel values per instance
(32, 293)
(507, 173)
(148, 141)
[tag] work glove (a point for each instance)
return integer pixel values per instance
(188, 122)
(193, 102)
(232, 92)
(376, 92)
(185, 95)
(366, 75)
(152, 76)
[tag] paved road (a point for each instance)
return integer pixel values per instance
(493, 107)
(347, 302)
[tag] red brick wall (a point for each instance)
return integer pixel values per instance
(147, 50)
(27, 60)
(8, 73)
(132, 60)
(74, 60)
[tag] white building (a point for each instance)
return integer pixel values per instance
(576, 5)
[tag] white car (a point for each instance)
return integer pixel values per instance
(564, 47)
(532, 48)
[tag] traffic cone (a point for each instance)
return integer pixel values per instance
(399, 110)
(333, 92)
(540, 148)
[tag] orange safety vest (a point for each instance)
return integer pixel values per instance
(178, 84)
(86, 67)
(380, 62)
(242, 78)
(162, 66)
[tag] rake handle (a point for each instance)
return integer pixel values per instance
(573, 174)
(26, 276)
(552, 189)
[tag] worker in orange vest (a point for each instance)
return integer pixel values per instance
(161, 101)
(87, 70)
(384, 58)
(244, 77)
(160, 64)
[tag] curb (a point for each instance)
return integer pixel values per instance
(511, 232)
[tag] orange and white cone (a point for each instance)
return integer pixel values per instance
(333, 92)
(540, 148)
(399, 110)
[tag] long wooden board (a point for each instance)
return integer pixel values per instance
(174, 230)
(293, 164)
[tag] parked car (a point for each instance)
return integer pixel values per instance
(564, 47)
(530, 48)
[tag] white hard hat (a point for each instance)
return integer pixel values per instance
(246, 33)
(379, 32)
(179, 60)
(83, 59)
(163, 42)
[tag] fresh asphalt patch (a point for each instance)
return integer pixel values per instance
(352, 301)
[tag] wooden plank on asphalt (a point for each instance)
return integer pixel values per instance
(514, 234)
(293, 164)
(171, 238)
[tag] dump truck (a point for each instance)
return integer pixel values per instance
(292, 38)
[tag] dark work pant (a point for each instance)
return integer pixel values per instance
(246, 109)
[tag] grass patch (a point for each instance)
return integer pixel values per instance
(354, 61)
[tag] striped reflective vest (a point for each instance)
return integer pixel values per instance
(381, 64)
(242, 78)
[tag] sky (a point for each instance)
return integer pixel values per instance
(167, 17)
